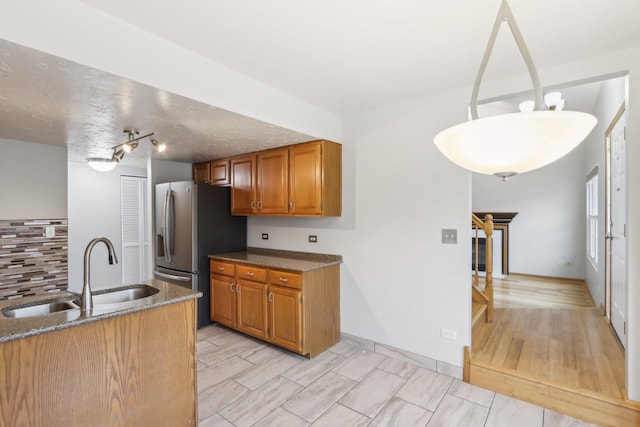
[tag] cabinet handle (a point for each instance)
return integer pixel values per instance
(284, 279)
(253, 204)
(259, 204)
(231, 286)
(270, 296)
(237, 288)
(292, 204)
(221, 268)
(250, 274)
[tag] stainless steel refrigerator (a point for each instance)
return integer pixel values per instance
(193, 221)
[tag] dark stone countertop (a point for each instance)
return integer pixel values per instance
(12, 328)
(286, 260)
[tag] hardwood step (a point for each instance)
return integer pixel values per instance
(579, 403)
(477, 311)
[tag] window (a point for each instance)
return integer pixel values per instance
(135, 233)
(592, 217)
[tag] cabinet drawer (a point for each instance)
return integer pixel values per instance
(256, 274)
(283, 278)
(224, 268)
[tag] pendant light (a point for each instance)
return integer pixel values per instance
(507, 144)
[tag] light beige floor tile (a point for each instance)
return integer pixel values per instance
(373, 393)
(449, 369)
(202, 333)
(200, 365)
(344, 348)
(398, 367)
(219, 396)
(425, 388)
(310, 370)
(554, 419)
(226, 337)
(455, 412)
(267, 370)
(398, 413)
(258, 354)
(202, 346)
(319, 396)
(472, 393)
(407, 356)
(219, 372)
(215, 421)
(281, 418)
(363, 343)
(506, 411)
(341, 416)
(257, 404)
(358, 365)
(226, 350)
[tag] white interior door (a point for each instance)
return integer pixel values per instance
(618, 225)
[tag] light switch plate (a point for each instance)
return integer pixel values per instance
(49, 231)
(450, 236)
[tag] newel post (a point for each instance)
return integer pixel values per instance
(488, 289)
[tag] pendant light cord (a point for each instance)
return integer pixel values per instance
(505, 14)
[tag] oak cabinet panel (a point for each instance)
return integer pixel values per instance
(243, 185)
(285, 318)
(201, 172)
(273, 182)
(220, 172)
(223, 300)
(252, 308)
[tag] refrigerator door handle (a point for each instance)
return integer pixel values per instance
(168, 225)
(171, 276)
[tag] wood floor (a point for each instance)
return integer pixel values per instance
(548, 344)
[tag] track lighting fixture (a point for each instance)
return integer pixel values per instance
(107, 164)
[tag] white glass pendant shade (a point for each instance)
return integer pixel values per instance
(101, 165)
(514, 143)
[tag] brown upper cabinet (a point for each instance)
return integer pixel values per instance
(202, 172)
(220, 172)
(297, 180)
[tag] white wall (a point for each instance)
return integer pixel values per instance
(33, 180)
(94, 211)
(550, 224)
(611, 97)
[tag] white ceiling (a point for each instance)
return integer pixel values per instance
(343, 55)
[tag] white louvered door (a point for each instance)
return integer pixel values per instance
(135, 229)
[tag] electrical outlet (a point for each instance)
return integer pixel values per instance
(450, 236)
(265, 236)
(313, 239)
(49, 231)
(449, 334)
(564, 262)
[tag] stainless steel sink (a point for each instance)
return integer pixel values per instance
(123, 294)
(38, 309)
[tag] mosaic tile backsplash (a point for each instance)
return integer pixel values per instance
(30, 262)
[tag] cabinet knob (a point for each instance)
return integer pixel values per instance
(250, 274)
(284, 279)
(221, 268)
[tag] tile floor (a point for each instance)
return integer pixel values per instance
(244, 382)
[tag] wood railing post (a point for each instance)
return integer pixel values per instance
(488, 289)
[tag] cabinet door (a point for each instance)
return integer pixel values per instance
(305, 179)
(285, 318)
(252, 308)
(243, 185)
(201, 172)
(273, 182)
(220, 173)
(223, 300)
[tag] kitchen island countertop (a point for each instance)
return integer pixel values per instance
(12, 328)
(286, 260)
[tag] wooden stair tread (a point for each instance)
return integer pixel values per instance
(477, 310)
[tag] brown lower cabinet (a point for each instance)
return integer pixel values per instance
(299, 311)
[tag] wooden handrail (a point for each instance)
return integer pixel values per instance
(486, 226)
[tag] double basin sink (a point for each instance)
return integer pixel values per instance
(103, 300)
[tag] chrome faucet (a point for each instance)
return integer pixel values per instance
(86, 299)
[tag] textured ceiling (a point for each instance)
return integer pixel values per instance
(50, 100)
